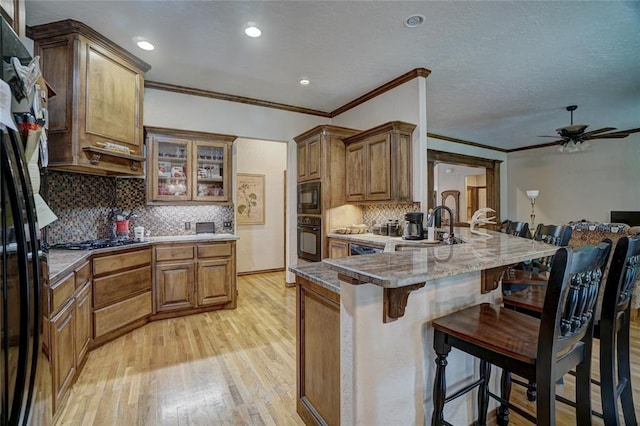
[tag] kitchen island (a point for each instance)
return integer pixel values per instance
(386, 304)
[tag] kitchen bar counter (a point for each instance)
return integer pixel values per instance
(318, 273)
(393, 269)
(61, 262)
(386, 359)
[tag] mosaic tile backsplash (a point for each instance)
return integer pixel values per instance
(380, 213)
(83, 204)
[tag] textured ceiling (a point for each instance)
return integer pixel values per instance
(501, 72)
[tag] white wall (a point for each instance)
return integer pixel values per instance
(175, 110)
(584, 185)
(261, 247)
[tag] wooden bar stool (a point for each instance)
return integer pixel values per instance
(611, 327)
(540, 350)
(518, 229)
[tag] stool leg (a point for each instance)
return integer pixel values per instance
(546, 399)
(583, 388)
(607, 375)
(483, 392)
(624, 372)
(532, 394)
(505, 393)
(440, 383)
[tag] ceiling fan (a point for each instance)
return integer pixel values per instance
(574, 138)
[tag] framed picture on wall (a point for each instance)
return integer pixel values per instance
(250, 206)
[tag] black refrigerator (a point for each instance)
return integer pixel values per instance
(22, 264)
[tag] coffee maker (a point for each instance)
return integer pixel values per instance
(413, 226)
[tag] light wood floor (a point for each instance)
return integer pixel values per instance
(227, 367)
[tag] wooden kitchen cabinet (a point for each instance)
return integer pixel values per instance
(68, 327)
(99, 89)
(309, 161)
(379, 164)
(318, 353)
(174, 286)
(84, 323)
(121, 293)
(194, 277)
(62, 352)
(321, 156)
(187, 166)
(338, 248)
(214, 285)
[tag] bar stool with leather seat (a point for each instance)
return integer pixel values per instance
(540, 350)
(612, 325)
(516, 279)
(518, 229)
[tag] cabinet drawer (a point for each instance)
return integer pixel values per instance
(122, 313)
(83, 274)
(173, 253)
(60, 292)
(214, 250)
(119, 286)
(118, 262)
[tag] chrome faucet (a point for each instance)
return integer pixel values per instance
(431, 220)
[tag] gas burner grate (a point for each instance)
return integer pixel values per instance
(94, 244)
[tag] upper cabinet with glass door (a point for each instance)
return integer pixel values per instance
(188, 166)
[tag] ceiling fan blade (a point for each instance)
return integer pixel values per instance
(594, 132)
(617, 135)
(547, 136)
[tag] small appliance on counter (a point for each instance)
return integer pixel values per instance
(413, 229)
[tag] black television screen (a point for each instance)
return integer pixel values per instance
(630, 218)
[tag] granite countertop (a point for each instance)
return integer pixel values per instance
(61, 262)
(393, 269)
(318, 273)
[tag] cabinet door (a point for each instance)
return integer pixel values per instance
(174, 286)
(169, 174)
(84, 323)
(314, 161)
(302, 161)
(355, 172)
(113, 94)
(214, 285)
(338, 248)
(378, 168)
(63, 359)
(210, 171)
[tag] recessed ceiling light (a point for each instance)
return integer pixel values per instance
(413, 21)
(145, 45)
(252, 31)
(305, 81)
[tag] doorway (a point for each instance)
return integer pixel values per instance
(477, 192)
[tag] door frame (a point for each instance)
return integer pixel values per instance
(492, 168)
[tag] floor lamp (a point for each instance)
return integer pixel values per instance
(533, 194)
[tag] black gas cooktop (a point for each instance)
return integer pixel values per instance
(95, 244)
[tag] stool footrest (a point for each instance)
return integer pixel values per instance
(463, 390)
(515, 408)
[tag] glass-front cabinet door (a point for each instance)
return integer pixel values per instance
(171, 169)
(210, 172)
(188, 167)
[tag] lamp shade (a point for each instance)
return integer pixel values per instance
(532, 193)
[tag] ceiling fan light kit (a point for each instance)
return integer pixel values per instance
(575, 139)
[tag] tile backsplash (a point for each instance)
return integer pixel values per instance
(379, 213)
(83, 204)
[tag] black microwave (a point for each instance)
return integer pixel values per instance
(309, 196)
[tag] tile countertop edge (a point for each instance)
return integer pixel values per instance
(65, 261)
(399, 269)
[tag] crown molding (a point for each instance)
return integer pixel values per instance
(464, 142)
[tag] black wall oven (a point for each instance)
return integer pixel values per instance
(310, 238)
(309, 198)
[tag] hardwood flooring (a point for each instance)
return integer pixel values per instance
(227, 367)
